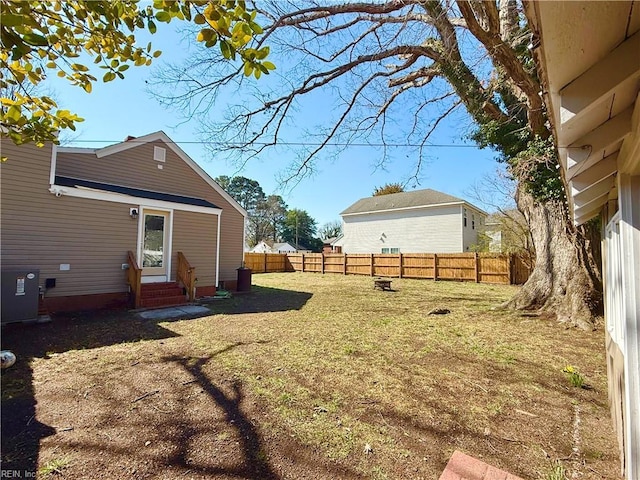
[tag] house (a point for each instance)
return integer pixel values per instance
(267, 246)
(507, 232)
(419, 221)
(590, 69)
(94, 220)
(329, 245)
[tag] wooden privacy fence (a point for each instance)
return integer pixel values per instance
(473, 267)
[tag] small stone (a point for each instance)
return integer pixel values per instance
(147, 443)
(487, 432)
(439, 311)
(367, 449)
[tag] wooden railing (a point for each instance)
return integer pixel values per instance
(134, 278)
(187, 275)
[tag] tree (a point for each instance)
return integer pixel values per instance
(39, 36)
(270, 216)
(388, 188)
(415, 63)
(331, 229)
(300, 228)
(247, 192)
(498, 191)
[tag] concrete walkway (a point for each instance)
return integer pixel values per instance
(173, 312)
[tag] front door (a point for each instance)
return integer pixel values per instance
(155, 245)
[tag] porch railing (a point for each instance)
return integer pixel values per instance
(134, 278)
(187, 275)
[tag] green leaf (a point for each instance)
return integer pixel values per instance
(248, 69)
(10, 20)
(108, 77)
(224, 48)
(34, 39)
(87, 87)
(268, 65)
(257, 73)
(163, 17)
(152, 27)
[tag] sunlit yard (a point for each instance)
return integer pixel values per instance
(315, 376)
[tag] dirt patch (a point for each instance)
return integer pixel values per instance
(308, 376)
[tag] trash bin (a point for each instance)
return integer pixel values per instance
(244, 280)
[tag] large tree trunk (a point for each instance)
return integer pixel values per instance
(566, 279)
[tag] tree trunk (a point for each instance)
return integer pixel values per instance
(565, 280)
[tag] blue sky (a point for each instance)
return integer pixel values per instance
(123, 107)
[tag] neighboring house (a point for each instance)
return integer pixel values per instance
(420, 221)
(266, 246)
(329, 245)
(507, 232)
(493, 231)
(590, 68)
(75, 213)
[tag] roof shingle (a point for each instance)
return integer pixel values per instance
(414, 198)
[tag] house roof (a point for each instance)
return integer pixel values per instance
(134, 192)
(132, 142)
(395, 201)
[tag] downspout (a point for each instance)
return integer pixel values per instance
(52, 171)
(218, 252)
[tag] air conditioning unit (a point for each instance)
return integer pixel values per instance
(20, 295)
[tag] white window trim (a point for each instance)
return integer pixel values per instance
(169, 249)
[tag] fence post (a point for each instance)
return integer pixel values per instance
(435, 267)
(400, 266)
(322, 263)
(265, 262)
(510, 268)
(477, 267)
(371, 259)
(303, 262)
(344, 263)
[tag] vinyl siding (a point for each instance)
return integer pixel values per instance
(470, 235)
(194, 234)
(42, 231)
(136, 167)
(431, 230)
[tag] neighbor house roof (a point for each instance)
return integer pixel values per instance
(395, 201)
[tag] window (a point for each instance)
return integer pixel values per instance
(465, 217)
(473, 222)
(390, 250)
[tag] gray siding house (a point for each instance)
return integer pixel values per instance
(74, 214)
(420, 221)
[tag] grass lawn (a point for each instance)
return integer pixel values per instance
(309, 376)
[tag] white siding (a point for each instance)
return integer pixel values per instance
(470, 234)
(429, 230)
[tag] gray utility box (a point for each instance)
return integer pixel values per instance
(20, 294)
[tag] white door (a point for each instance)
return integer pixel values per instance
(155, 245)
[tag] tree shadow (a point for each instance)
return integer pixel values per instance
(253, 457)
(21, 432)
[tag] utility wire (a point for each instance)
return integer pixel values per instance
(297, 144)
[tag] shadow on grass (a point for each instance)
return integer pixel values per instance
(261, 299)
(252, 456)
(21, 432)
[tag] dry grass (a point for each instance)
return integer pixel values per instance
(331, 365)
